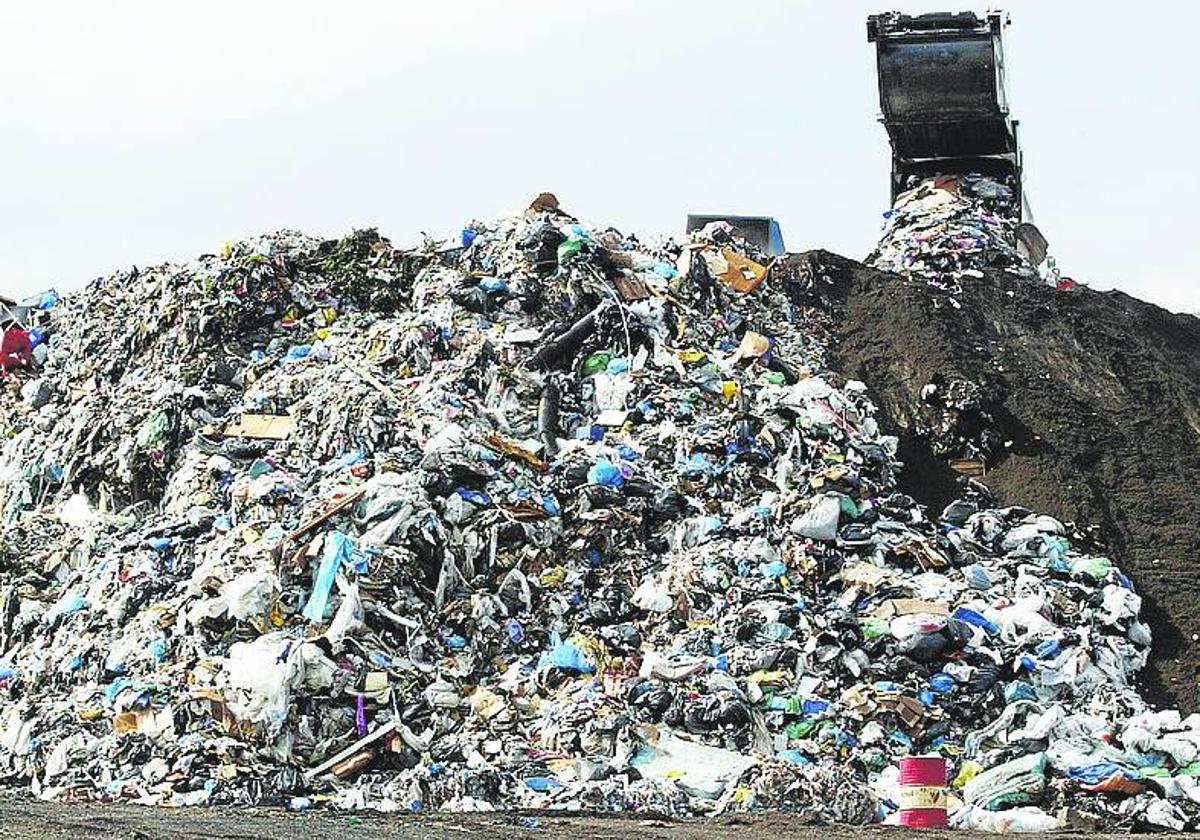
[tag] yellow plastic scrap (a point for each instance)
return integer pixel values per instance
(768, 677)
(595, 650)
(554, 577)
(966, 772)
(690, 356)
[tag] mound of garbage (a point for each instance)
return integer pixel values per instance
(554, 518)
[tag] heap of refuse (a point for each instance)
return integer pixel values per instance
(557, 518)
(948, 227)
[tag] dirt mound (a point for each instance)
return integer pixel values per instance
(1085, 405)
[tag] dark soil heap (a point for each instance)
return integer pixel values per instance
(1085, 403)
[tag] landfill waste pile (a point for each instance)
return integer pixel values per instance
(555, 519)
(949, 227)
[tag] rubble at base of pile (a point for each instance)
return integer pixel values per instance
(556, 520)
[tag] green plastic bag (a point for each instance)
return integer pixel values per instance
(596, 362)
(570, 248)
(874, 628)
(153, 431)
(1094, 567)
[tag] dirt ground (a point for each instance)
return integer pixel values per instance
(24, 818)
(1097, 395)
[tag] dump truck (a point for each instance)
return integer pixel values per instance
(944, 102)
(942, 95)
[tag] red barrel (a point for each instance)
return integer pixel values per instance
(923, 791)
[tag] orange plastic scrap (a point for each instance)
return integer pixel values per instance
(946, 183)
(1118, 782)
(865, 575)
(920, 550)
(858, 700)
(743, 274)
(151, 722)
(515, 450)
(261, 426)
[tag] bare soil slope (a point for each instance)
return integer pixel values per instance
(1095, 397)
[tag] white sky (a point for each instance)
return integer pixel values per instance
(134, 132)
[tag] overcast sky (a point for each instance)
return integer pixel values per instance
(134, 132)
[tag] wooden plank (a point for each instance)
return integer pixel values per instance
(972, 468)
(339, 505)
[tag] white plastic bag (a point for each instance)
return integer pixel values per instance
(820, 522)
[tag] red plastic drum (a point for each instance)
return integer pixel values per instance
(923, 792)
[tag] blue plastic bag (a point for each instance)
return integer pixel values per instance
(1094, 774)
(474, 496)
(541, 784)
(942, 683)
(566, 656)
(1018, 690)
(774, 569)
(605, 473)
(1048, 649)
(976, 619)
(338, 549)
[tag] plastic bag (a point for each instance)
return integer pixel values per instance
(1012, 821)
(820, 522)
(338, 550)
(1016, 782)
(566, 656)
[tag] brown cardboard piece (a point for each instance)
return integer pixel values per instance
(261, 426)
(907, 606)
